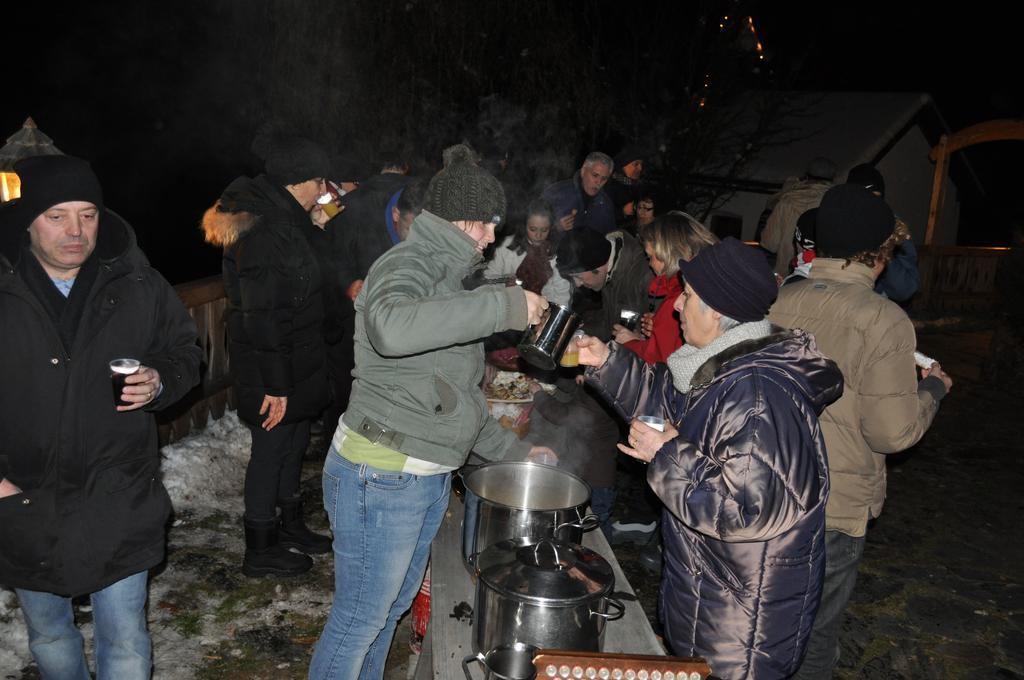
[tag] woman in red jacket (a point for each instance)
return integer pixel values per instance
(669, 238)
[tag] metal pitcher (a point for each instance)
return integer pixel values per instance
(543, 344)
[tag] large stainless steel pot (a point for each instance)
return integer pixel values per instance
(547, 594)
(543, 344)
(522, 500)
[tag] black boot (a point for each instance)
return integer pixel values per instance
(265, 556)
(295, 534)
(650, 557)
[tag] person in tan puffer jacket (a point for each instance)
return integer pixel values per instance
(796, 198)
(884, 408)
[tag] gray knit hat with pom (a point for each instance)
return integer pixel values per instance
(464, 191)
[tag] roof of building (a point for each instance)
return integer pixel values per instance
(28, 141)
(849, 128)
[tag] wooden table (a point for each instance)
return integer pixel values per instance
(449, 639)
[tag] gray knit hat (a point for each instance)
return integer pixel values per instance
(463, 191)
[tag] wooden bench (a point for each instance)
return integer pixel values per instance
(449, 638)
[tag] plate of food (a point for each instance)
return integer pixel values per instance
(509, 387)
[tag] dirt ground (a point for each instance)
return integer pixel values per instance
(940, 592)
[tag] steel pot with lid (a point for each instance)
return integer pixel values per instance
(522, 500)
(545, 593)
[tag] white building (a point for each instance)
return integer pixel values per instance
(892, 130)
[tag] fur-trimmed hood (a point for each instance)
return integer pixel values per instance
(240, 207)
(221, 228)
(793, 353)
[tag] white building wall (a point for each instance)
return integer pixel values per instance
(747, 205)
(908, 180)
(908, 185)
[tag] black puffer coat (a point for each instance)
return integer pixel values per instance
(92, 509)
(359, 234)
(275, 309)
(744, 486)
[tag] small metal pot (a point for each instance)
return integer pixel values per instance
(543, 344)
(522, 500)
(548, 594)
(508, 662)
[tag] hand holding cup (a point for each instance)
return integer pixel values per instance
(622, 335)
(593, 352)
(647, 324)
(134, 385)
(629, 319)
(645, 439)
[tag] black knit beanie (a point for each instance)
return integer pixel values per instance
(582, 250)
(47, 181)
(867, 176)
(463, 191)
(629, 153)
(733, 279)
(290, 159)
(852, 220)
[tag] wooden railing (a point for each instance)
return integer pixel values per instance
(958, 278)
(207, 304)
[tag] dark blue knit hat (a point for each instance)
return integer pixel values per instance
(733, 279)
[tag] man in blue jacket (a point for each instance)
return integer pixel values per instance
(581, 201)
(901, 278)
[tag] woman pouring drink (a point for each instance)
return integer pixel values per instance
(415, 414)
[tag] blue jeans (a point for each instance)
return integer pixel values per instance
(123, 647)
(383, 524)
(842, 557)
(602, 500)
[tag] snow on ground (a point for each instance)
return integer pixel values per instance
(206, 618)
(13, 637)
(205, 471)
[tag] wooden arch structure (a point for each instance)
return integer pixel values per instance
(989, 131)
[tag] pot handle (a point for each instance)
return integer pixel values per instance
(472, 657)
(479, 656)
(612, 604)
(586, 523)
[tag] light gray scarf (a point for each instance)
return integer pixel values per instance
(685, 361)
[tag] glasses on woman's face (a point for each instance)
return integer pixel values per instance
(645, 206)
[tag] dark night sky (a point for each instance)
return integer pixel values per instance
(124, 109)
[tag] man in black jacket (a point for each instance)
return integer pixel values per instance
(82, 509)
(375, 218)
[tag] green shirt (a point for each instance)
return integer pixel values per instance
(357, 449)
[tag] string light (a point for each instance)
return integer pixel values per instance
(758, 47)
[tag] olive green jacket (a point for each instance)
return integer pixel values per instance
(419, 351)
